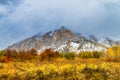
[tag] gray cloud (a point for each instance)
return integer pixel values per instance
(23, 19)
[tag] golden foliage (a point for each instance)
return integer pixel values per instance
(56, 70)
(94, 54)
(114, 53)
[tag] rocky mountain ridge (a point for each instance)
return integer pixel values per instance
(64, 40)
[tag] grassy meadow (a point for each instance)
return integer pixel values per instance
(51, 65)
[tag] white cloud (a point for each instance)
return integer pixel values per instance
(3, 10)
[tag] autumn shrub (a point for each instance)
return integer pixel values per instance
(1, 53)
(113, 54)
(15, 77)
(40, 75)
(33, 51)
(4, 56)
(86, 55)
(49, 54)
(5, 59)
(9, 53)
(95, 74)
(28, 54)
(25, 55)
(4, 76)
(69, 55)
(94, 54)
(14, 54)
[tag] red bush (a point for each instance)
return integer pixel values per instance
(33, 51)
(5, 60)
(6, 55)
(49, 54)
(29, 54)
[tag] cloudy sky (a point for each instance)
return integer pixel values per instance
(20, 19)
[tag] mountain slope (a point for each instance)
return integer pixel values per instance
(64, 40)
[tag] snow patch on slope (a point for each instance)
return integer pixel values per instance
(77, 47)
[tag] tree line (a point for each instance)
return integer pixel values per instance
(112, 54)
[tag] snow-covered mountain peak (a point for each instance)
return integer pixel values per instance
(63, 38)
(63, 28)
